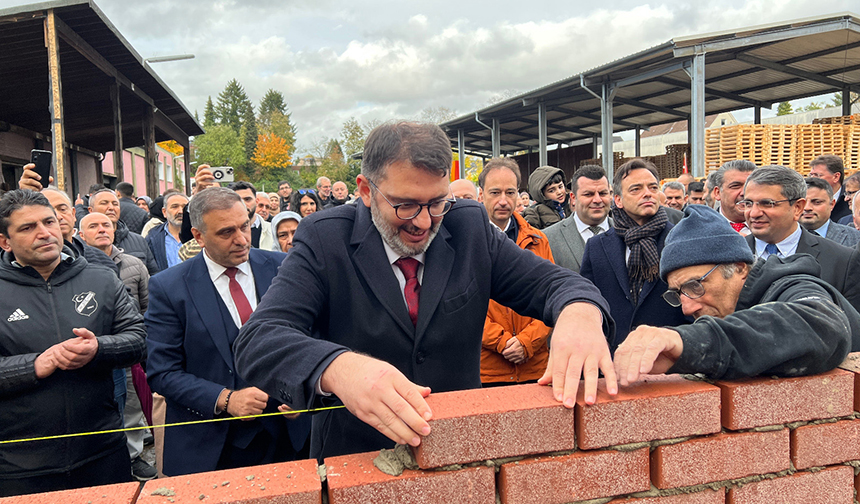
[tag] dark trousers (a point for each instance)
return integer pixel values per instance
(261, 450)
(113, 468)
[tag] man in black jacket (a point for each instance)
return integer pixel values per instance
(105, 201)
(776, 317)
(67, 326)
(133, 216)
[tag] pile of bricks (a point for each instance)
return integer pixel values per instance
(668, 440)
(793, 146)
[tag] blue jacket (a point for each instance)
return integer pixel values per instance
(155, 240)
(604, 263)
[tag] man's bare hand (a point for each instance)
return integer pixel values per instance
(246, 402)
(75, 353)
(32, 180)
(380, 396)
(647, 350)
(286, 410)
(46, 363)
(579, 349)
(514, 351)
(203, 178)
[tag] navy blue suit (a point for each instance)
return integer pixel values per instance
(604, 263)
(337, 291)
(155, 240)
(189, 338)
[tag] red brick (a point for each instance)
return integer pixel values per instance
(852, 364)
(106, 494)
(704, 497)
(353, 479)
(831, 486)
(575, 477)
(481, 424)
(825, 444)
(757, 402)
(658, 408)
(719, 457)
(285, 483)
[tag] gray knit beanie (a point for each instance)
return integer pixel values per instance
(702, 237)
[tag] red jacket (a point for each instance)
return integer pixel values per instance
(502, 324)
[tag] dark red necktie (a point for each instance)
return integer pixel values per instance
(738, 226)
(409, 267)
(238, 295)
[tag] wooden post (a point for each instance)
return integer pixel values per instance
(58, 137)
(117, 131)
(151, 156)
(186, 161)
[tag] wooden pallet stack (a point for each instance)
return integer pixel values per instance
(814, 140)
(782, 145)
(852, 146)
(850, 120)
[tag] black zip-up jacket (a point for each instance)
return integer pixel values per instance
(787, 322)
(134, 244)
(36, 314)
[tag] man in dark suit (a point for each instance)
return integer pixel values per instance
(624, 262)
(816, 214)
(163, 240)
(590, 197)
(381, 301)
(132, 215)
(194, 316)
(774, 199)
(831, 169)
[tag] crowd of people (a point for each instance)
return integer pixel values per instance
(232, 302)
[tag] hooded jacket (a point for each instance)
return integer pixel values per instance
(543, 214)
(787, 322)
(503, 323)
(37, 314)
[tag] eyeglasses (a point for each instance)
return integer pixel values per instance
(408, 211)
(765, 204)
(849, 195)
(693, 289)
(307, 191)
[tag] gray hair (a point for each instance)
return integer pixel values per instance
(792, 186)
(819, 183)
(423, 145)
(58, 191)
(209, 199)
(674, 185)
(741, 165)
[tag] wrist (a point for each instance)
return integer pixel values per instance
(227, 401)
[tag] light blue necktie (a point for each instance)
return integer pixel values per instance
(771, 249)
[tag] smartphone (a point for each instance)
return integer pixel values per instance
(42, 160)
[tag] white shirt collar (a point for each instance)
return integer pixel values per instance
(786, 247)
(822, 231)
(394, 256)
(216, 270)
(257, 221)
(581, 226)
(505, 230)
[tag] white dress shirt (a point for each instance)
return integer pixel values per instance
(245, 277)
(786, 247)
(583, 227)
(401, 278)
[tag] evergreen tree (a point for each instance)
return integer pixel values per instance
(209, 114)
(273, 101)
(249, 133)
(784, 108)
(232, 106)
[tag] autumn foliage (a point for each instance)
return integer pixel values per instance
(272, 151)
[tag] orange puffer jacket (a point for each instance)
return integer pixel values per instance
(502, 324)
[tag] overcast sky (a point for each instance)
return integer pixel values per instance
(384, 59)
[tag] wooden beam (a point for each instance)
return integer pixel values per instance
(117, 132)
(186, 162)
(151, 156)
(58, 136)
(87, 51)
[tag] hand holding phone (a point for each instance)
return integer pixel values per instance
(42, 160)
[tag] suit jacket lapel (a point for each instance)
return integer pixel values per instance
(573, 239)
(661, 241)
(808, 244)
(439, 261)
(205, 298)
(372, 262)
(263, 276)
(616, 250)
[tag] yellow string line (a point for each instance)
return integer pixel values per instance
(193, 422)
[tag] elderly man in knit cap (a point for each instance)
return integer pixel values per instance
(773, 317)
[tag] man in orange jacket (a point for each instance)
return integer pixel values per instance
(514, 347)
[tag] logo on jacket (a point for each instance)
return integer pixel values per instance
(17, 315)
(85, 303)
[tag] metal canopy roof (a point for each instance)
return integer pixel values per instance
(752, 67)
(88, 113)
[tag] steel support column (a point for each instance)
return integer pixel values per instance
(116, 105)
(757, 112)
(461, 152)
(606, 130)
(697, 116)
(497, 138)
(544, 160)
(846, 101)
(637, 142)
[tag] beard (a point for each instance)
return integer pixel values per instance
(391, 234)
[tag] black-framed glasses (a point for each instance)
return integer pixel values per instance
(849, 195)
(765, 204)
(693, 289)
(307, 191)
(408, 211)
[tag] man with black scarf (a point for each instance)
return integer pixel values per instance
(624, 262)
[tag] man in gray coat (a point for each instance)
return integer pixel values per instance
(590, 197)
(816, 214)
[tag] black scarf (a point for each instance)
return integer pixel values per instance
(644, 263)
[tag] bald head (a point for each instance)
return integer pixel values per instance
(97, 230)
(64, 209)
(464, 189)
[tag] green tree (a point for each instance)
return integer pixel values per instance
(813, 106)
(352, 136)
(273, 101)
(249, 134)
(220, 146)
(784, 108)
(836, 101)
(278, 124)
(209, 113)
(232, 106)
